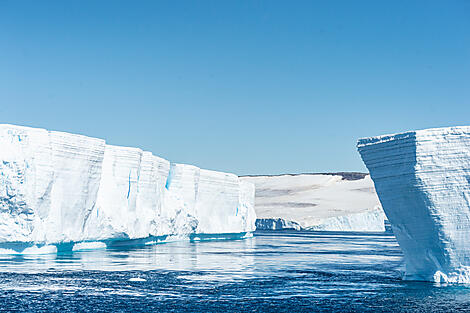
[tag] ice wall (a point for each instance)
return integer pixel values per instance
(57, 187)
(276, 224)
(422, 179)
(370, 220)
(48, 183)
(217, 202)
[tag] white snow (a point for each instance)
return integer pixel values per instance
(137, 279)
(30, 250)
(47, 249)
(86, 245)
(316, 202)
(423, 181)
(57, 187)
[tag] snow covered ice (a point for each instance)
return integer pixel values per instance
(57, 187)
(423, 182)
(331, 202)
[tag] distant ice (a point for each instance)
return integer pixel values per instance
(337, 202)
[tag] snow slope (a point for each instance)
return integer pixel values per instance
(343, 201)
(423, 181)
(57, 187)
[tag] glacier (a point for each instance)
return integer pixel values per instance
(58, 188)
(326, 202)
(422, 179)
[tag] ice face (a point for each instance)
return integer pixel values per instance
(77, 162)
(115, 212)
(217, 202)
(422, 179)
(48, 182)
(370, 220)
(26, 175)
(246, 206)
(183, 182)
(58, 187)
(151, 186)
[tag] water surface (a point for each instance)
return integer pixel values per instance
(273, 271)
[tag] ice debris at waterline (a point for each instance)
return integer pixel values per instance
(57, 187)
(423, 182)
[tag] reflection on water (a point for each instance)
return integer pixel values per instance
(272, 271)
(218, 255)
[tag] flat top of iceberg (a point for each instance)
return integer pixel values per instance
(114, 147)
(456, 130)
(309, 198)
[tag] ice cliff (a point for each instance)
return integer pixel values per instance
(57, 187)
(423, 182)
(332, 202)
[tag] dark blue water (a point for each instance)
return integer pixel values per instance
(273, 271)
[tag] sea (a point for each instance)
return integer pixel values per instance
(273, 271)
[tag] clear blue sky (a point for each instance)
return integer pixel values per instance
(249, 87)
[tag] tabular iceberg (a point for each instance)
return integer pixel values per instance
(57, 187)
(422, 179)
(327, 202)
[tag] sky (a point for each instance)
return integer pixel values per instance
(250, 87)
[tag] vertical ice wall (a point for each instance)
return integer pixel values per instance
(217, 203)
(76, 162)
(152, 179)
(422, 179)
(25, 181)
(183, 183)
(114, 214)
(59, 187)
(209, 202)
(179, 202)
(48, 182)
(246, 207)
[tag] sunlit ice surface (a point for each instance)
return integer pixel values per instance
(271, 271)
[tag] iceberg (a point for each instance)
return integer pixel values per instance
(327, 202)
(58, 188)
(423, 182)
(276, 224)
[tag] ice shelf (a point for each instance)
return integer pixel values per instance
(330, 202)
(58, 187)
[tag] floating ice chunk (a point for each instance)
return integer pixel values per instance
(137, 279)
(91, 245)
(7, 251)
(47, 249)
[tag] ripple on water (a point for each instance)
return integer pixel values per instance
(272, 271)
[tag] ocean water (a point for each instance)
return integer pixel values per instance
(270, 272)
